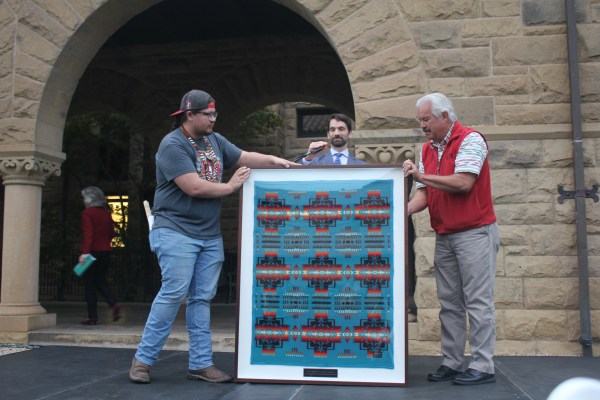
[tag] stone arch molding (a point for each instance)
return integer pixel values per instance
(374, 42)
(55, 41)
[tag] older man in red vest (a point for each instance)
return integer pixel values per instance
(453, 182)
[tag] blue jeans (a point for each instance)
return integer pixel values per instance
(188, 267)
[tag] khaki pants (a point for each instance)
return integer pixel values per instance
(465, 270)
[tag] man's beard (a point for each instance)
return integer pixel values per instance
(338, 141)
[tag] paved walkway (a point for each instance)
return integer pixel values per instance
(53, 371)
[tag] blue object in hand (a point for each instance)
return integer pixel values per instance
(80, 268)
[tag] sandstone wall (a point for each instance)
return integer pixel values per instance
(504, 62)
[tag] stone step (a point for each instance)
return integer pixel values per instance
(68, 335)
(127, 332)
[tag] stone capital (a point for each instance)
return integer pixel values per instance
(30, 168)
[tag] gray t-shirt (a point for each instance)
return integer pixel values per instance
(191, 216)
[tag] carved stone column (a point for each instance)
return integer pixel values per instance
(23, 177)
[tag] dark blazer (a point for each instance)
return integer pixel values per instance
(327, 159)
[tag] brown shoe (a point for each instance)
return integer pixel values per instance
(210, 374)
(139, 372)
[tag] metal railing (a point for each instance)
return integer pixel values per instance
(134, 276)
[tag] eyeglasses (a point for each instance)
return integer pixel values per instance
(210, 115)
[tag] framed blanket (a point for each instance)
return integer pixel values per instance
(322, 277)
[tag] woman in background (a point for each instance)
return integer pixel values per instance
(98, 231)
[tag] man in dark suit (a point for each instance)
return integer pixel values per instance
(339, 133)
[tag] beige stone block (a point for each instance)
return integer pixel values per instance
(499, 324)
(38, 20)
(590, 45)
(595, 317)
(426, 293)
(524, 214)
(423, 348)
(7, 16)
(451, 87)
(30, 67)
(6, 87)
(5, 109)
(436, 34)
(66, 16)
(560, 243)
(594, 266)
(387, 62)
(508, 187)
(500, 271)
(535, 325)
(589, 112)
(551, 293)
(514, 235)
(451, 63)
(400, 84)
(475, 111)
(14, 337)
(475, 42)
(333, 12)
(439, 9)
(574, 323)
(423, 224)
(542, 183)
(17, 130)
(533, 114)
(429, 324)
(541, 266)
(7, 41)
(497, 85)
(515, 348)
(508, 293)
(518, 250)
(594, 289)
(595, 12)
(25, 108)
(27, 88)
(512, 100)
(536, 348)
(558, 348)
(491, 27)
(424, 252)
(510, 154)
(589, 82)
(30, 43)
(363, 20)
(501, 8)
(386, 114)
(544, 30)
(527, 50)
(386, 35)
(511, 70)
(559, 154)
(549, 84)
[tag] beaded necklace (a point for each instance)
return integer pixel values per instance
(208, 164)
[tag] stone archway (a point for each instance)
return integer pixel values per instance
(49, 47)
